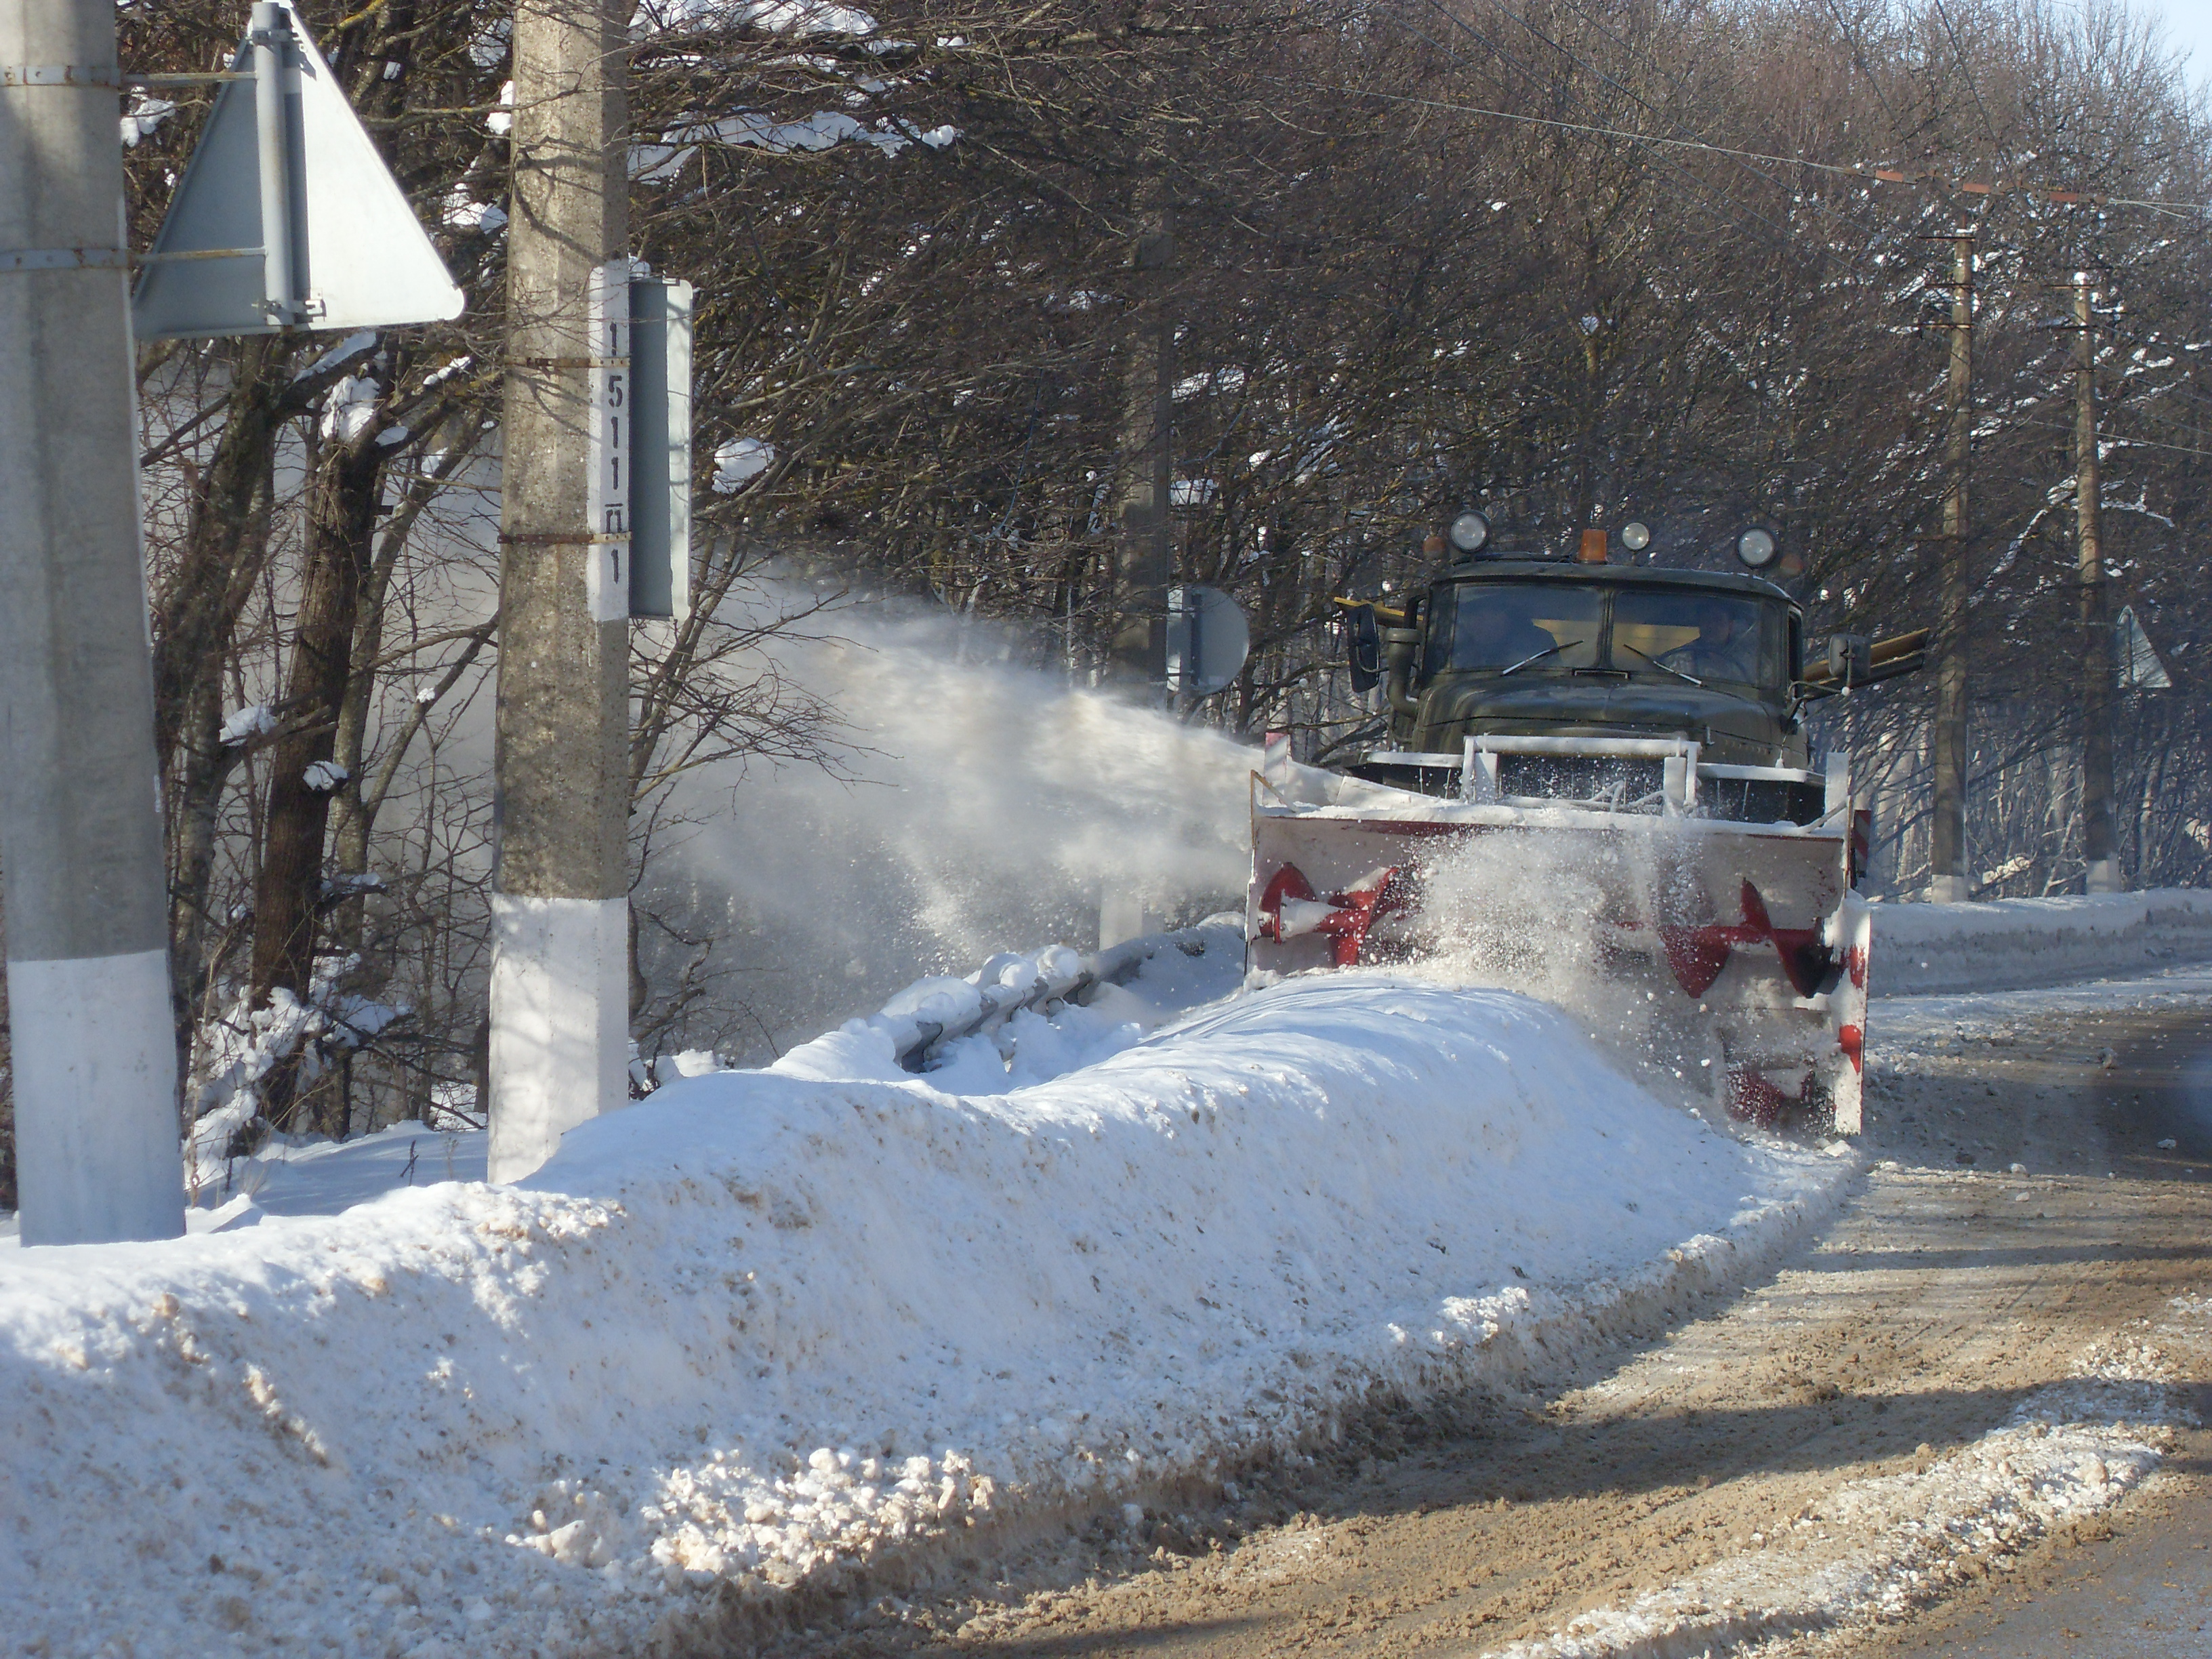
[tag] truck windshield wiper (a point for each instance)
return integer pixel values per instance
(1665, 668)
(1548, 651)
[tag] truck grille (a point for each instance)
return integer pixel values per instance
(1762, 800)
(1623, 782)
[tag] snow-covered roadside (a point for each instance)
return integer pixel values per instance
(1166, 975)
(2015, 943)
(1904, 1026)
(796, 1328)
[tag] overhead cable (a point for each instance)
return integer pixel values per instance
(1718, 204)
(2182, 210)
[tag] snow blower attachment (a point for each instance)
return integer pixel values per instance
(1599, 771)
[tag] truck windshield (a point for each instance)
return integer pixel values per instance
(1496, 625)
(1706, 636)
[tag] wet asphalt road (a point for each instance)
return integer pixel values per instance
(2140, 1588)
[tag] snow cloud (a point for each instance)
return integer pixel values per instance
(988, 801)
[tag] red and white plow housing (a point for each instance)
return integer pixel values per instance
(1749, 934)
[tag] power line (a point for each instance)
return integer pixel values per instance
(1851, 37)
(2141, 410)
(1536, 80)
(2122, 438)
(1966, 68)
(1872, 175)
(1618, 86)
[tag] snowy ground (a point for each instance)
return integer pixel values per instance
(771, 1333)
(315, 1175)
(1921, 949)
(1914, 1027)
(774, 1334)
(1998, 1340)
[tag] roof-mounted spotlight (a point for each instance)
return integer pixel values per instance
(1635, 535)
(1757, 547)
(1470, 531)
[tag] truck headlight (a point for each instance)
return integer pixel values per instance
(1756, 547)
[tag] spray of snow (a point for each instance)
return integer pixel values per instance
(986, 801)
(1538, 913)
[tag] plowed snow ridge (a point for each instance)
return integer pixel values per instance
(789, 1328)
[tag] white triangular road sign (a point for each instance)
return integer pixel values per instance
(356, 256)
(2139, 668)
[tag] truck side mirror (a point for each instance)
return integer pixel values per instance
(1851, 658)
(1363, 648)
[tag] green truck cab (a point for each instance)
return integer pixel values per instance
(1520, 645)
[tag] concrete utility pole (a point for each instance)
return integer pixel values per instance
(559, 992)
(95, 1054)
(1947, 882)
(2104, 870)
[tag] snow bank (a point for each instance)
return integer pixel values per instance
(2018, 944)
(785, 1330)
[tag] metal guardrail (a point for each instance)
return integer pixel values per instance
(945, 1010)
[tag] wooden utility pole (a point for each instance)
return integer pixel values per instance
(559, 995)
(2103, 874)
(1947, 882)
(1143, 521)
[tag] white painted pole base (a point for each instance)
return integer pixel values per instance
(560, 1023)
(2105, 876)
(1947, 890)
(98, 1147)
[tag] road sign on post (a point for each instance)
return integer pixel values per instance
(1207, 641)
(2140, 667)
(660, 448)
(287, 217)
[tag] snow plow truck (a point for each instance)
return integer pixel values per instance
(1596, 783)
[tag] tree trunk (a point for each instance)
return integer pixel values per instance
(288, 897)
(205, 763)
(196, 610)
(199, 764)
